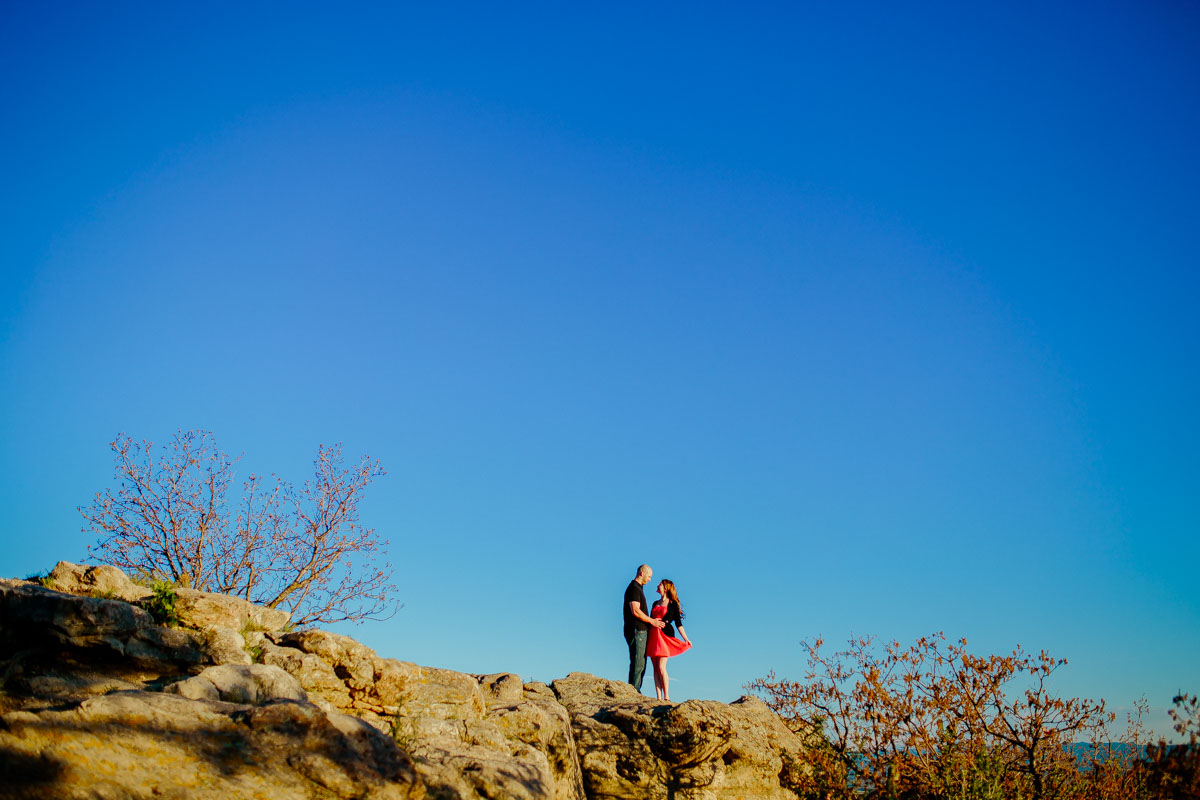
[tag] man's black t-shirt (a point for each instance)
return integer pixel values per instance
(634, 594)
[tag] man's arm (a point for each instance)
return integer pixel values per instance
(635, 608)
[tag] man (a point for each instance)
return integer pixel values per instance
(637, 624)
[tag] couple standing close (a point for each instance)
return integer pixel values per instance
(651, 634)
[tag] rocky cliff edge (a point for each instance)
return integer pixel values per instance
(97, 700)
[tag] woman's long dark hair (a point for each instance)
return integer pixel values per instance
(672, 596)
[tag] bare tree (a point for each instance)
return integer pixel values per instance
(304, 551)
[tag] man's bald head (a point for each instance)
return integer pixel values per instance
(643, 574)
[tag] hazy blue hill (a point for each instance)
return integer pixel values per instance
(1085, 752)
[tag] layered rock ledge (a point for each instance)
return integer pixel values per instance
(97, 700)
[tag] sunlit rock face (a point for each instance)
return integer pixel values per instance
(97, 700)
(154, 744)
(633, 747)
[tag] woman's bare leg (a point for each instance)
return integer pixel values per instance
(657, 662)
(666, 679)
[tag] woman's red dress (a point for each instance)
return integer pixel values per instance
(659, 644)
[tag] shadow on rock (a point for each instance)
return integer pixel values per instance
(167, 745)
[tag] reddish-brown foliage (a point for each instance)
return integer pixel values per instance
(932, 720)
(301, 550)
(1173, 770)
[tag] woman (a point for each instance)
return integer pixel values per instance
(660, 647)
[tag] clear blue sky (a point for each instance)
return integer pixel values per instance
(854, 319)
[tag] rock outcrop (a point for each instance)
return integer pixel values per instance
(97, 700)
(141, 744)
(634, 747)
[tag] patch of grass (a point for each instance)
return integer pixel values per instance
(42, 579)
(147, 579)
(162, 604)
(249, 627)
(404, 732)
(404, 724)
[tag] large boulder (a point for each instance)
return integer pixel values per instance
(641, 749)
(198, 609)
(195, 609)
(315, 675)
(98, 580)
(254, 684)
(69, 619)
(354, 665)
(469, 736)
(152, 745)
(39, 625)
(543, 724)
(518, 747)
(225, 646)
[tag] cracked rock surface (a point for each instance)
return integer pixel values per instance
(98, 701)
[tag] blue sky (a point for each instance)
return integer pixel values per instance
(850, 320)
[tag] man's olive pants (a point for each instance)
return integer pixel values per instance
(637, 658)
